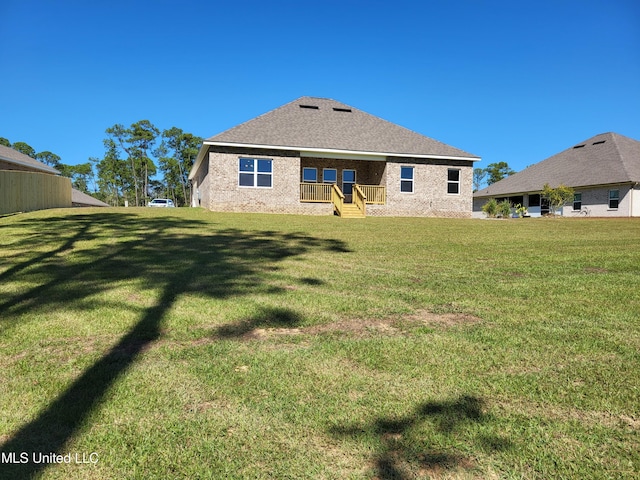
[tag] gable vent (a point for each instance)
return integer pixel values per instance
(311, 107)
(337, 109)
(579, 146)
(598, 143)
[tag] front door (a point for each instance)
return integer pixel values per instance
(348, 181)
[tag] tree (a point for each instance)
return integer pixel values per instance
(81, 176)
(24, 148)
(115, 179)
(5, 142)
(498, 171)
(479, 174)
(137, 142)
(557, 197)
(177, 154)
(48, 158)
(142, 137)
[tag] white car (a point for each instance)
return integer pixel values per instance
(161, 202)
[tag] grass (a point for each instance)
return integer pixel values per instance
(187, 344)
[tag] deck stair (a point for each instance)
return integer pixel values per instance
(351, 210)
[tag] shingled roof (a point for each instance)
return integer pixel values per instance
(608, 158)
(322, 124)
(13, 156)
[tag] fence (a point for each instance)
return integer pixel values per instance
(25, 191)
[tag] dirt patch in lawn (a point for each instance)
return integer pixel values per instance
(360, 328)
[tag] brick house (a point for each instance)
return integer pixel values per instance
(604, 172)
(318, 156)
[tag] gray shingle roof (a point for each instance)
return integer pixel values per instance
(81, 198)
(608, 158)
(325, 124)
(13, 156)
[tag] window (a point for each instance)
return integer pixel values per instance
(310, 175)
(614, 199)
(255, 172)
(577, 201)
(348, 179)
(534, 200)
(453, 181)
(329, 175)
(406, 179)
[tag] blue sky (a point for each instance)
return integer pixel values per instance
(514, 81)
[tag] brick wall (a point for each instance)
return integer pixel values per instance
(429, 197)
(225, 195)
(218, 184)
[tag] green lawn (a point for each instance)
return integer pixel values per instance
(181, 343)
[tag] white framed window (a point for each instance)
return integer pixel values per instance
(329, 175)
(348, 180)
(406, 179)
(614, 199)
(453, 181)
(310, 175)
(255, 172)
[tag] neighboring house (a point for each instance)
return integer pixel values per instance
(11, 159)
(604, 172)
(319, 156)
(27, 184)
(81, 199)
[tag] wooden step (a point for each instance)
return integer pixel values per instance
(350, 210)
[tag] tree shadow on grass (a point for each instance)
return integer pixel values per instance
(87, 255)
(402, 453)
(267, 318)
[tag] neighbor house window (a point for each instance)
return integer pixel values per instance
(255, 172)
(577, 201)
(534, 200)
(310, 175)
(406, 179)
(453, 181)
(614, 198)
(329, 175)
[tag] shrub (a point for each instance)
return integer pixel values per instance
(521, 210)
(490, 208)
(557, 197)
(504, 209)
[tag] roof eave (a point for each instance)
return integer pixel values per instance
(196, 165)
(46, 168)
(333, 151)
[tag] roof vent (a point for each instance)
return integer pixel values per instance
(579, 146)
(599, 142)
(337, 109)
(312, 107)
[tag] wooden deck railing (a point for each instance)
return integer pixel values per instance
(375, 194)
(337, 197)
(360, 199)
(315, 192)
(321, 192)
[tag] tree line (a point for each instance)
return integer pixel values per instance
(133, 158)
(492, 174)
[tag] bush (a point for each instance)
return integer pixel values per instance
(504, 209)
(490, 208)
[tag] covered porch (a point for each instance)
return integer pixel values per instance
(349, 184)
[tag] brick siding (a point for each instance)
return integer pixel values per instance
(217, 181)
